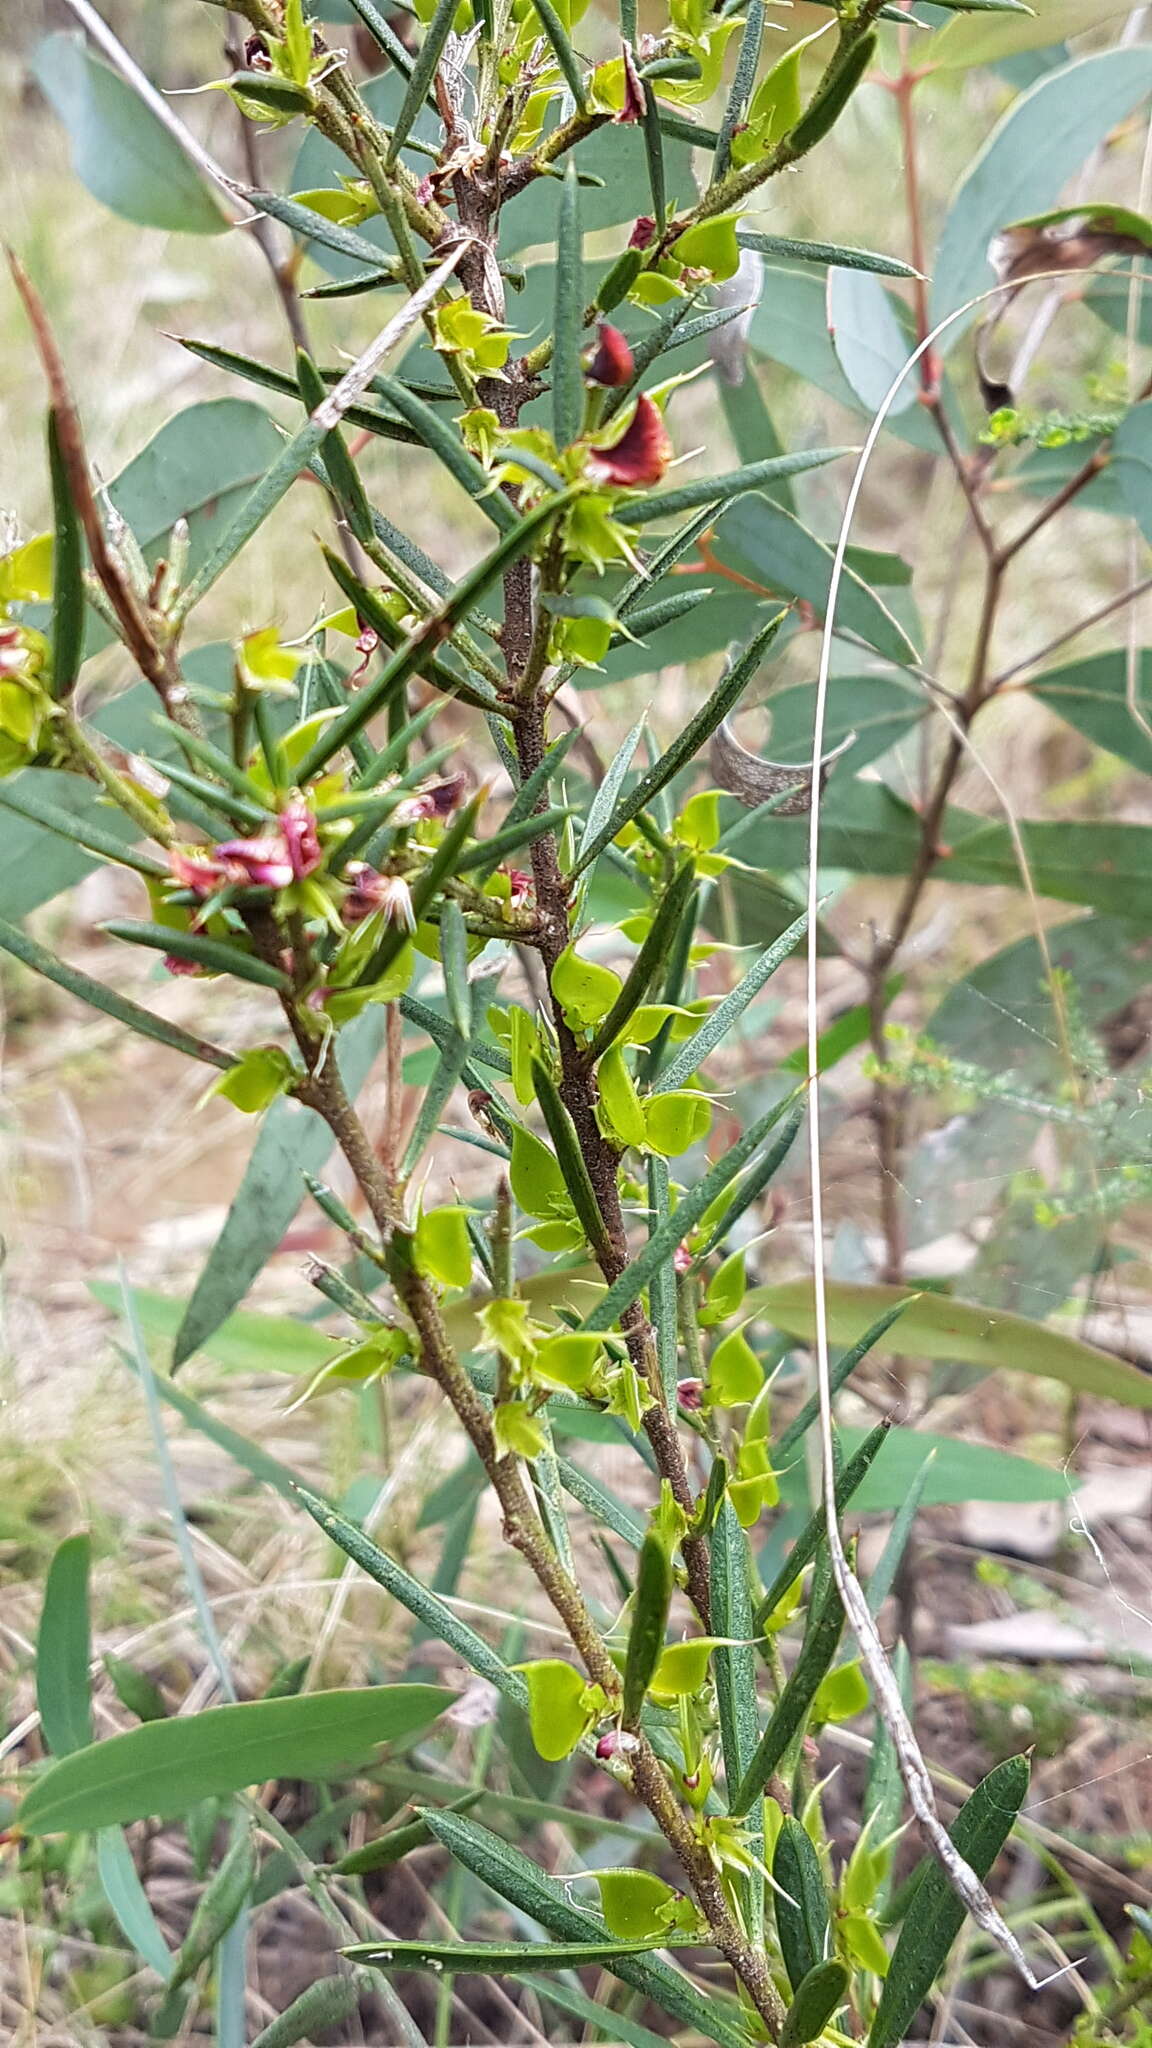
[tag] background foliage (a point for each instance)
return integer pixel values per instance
(984, 1042)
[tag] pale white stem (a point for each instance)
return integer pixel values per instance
(331, 410)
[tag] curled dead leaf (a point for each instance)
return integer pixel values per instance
(755, 781)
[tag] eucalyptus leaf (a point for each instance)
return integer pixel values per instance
(120, 150)
(165, 1767)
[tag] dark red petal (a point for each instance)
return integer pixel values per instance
(642, 453)
(612, 363)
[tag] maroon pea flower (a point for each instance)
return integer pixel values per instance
(264, 863)
(642, 233)
(690, 1395)
(432, 800)
(370, 891)
(642, 453)
(201, 872)
(298, 829)
(175, 965)
(612, 363)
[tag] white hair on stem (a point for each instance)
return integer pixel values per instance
(890, 1705)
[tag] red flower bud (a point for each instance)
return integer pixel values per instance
(642, 453)
(612, 364)
(616, 1743)
(635, 100)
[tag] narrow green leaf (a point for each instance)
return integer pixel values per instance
(128, 1900)
(602, 1505)
(64, 1650)
(342, 471)
(802, 1918)
(214, 954)
(77, 983)
(654, 132)
(739, 92)
(454, 961)
(936, 1915)
(370, 608)
(813, 1533)
(721, 490)
(884, 1572)
(734, 1665)
(449, 1068)
(379, 27)
(663, 1241)
(438, 1030)
(673, 906)
(819, 1648)
(649, 1621)
(367, 416)
(407, 659)
(441, 438)
(568, 316)
(760, 1175)
(823, 252)
(712, 713)
(662, 1286)
(68, 601)
(321, 2006)
(292, 1140)
(716, 1027)
(817, 1998)
(488, 853)
(603, 803)
(842, 1370)
(427, 1608)
(627, 2031)
(562, 1132)
(514, 1877)
(220, 1903)
(22, 795)
(884, 1790)
(316, 227)
(165, 1767)
(652, 618)
(495, 1958)
(562, 50)
(421, 75)
(734, 1669)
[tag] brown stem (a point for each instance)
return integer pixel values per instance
(324, 1092)
(154, 654)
